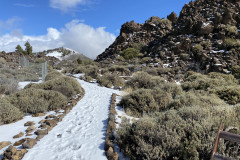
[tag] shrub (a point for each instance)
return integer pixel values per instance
(109, 80)
(65, 85)
(144, 80)
(229, 43)
(37, 100)
(130, 53)
(139, 102)
(120, 70)
(9, 113)
(187, 133)
(196, 98)
(230, 94)
(8, 86)
(236, 71)
(197, 48)
(199, 81)
(52, 75)
(231, 30)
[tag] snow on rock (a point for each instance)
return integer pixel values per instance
(55, 54)
(81, 134)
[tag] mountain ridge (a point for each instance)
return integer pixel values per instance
(204, 38)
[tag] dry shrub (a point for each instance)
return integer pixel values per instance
(8, 86)
(150, 100)
(199, 81)
(9, 113)
(65, 85)
(187, 133)
(120, 70)
(33, 100)
(144, 80)
(139, 102)
(193, 98)
(52, 75)
(109, 80)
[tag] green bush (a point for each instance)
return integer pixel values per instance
(231, 30)
(229, 42)
(52, 75)
(37, 100)
(65, 85)
(236, 71)
(187, 133)
(230, 94)
(197, 48)
(9, 113)
(130, 53)
(144, 80)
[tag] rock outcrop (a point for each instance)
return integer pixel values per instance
(204, 38)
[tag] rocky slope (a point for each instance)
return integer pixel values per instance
(205, 37)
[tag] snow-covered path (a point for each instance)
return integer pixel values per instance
(81, 134)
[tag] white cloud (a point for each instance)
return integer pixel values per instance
(75, 35)
(65, 5)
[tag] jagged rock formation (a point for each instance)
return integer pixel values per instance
(205, 37)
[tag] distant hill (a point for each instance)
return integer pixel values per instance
(64, 53)
(204, 38)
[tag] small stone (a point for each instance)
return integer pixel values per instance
(29, 143)
(18, 135)
(38, 115)
(29, 123)
(19, 142)
(50, 116)
(30, 129)
(4, 144)
(41, 132)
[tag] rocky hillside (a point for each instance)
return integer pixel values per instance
(204, 38)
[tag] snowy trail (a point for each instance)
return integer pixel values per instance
(81, 134)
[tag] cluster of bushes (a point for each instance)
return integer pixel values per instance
(144, 80)
(187, 133)
(110, 80)
(25, 74)
(63, 84)
(37, 98)
(179, 121)
(225, 86)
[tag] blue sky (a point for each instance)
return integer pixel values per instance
(88, 26)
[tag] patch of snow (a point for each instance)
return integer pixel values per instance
(7, 131)
(21, 85)
(55, 54)
(218, 64)
(178, 83)
(82, 129)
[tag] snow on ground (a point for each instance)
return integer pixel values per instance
(9, 130)
(81, 134)
(21, 85)
(55, 54)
